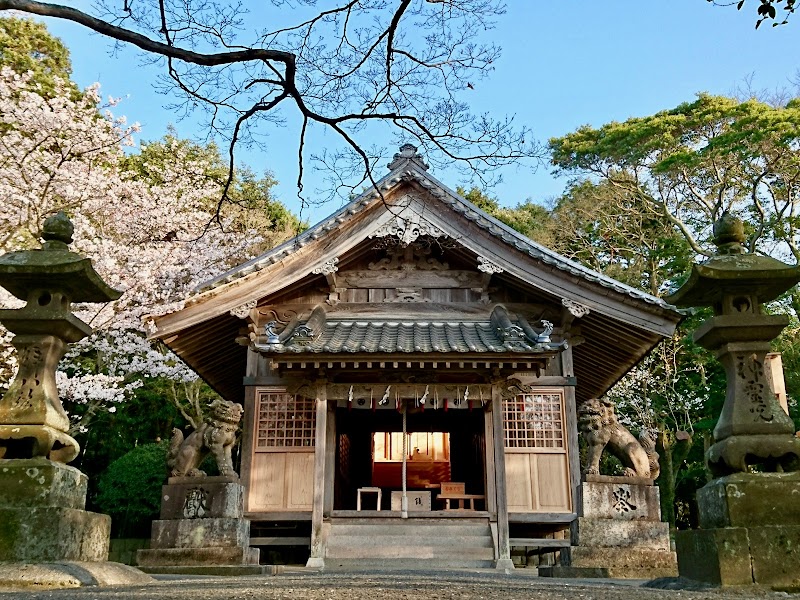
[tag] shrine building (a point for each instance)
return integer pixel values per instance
(410, 368)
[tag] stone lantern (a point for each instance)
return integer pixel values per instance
(42, 516)
(749, 515)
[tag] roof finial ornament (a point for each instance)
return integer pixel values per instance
(729, 234)
(408, 154)
(57, 232)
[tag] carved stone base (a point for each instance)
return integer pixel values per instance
(202, 497)
(750, 500)
(726, 556)
(735, 453)
(750, 532)
(617, 563)
(30, 441)
(42, 517)
(620, 534)
(200, 533)
(202, 524)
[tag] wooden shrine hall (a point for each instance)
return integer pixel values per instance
(410, 368)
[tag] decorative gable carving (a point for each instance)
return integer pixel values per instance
(408, 226)
(411, 258)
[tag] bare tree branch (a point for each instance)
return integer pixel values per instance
(360, 68)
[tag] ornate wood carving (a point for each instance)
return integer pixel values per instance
(327, 268)
(407, 227)
(243, 310)
(409, 279)
(411, 258)
(487, 266)
(576, 309)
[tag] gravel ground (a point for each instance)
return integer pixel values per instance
(450, 585)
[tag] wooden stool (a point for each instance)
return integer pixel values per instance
(370, 490)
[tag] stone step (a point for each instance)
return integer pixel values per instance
(409, 530)
(405, 564)
(619, 558)
(197, 556)
(456, 541)
(398, 522)
(416, 552)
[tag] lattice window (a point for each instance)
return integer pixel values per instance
(534, 421)
(284, 420)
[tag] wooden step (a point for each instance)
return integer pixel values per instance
(539, 543)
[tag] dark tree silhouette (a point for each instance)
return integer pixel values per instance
(406, 65)
(777, 11)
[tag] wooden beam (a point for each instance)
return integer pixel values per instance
(410, 279)
(279, 516)
(543, 518)
(539, 543)
(280, 541)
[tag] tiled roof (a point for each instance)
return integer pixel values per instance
(496, 334)
(390, 337)
(408, 170)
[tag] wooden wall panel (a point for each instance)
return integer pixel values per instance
(537, 482)
(299, 480)
(518, 482)
(266, 489)
(553, 487)
(281, 481)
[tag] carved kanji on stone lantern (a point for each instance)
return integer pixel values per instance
(752, 428)
(32, 421)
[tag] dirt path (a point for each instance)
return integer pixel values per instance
(386, 585)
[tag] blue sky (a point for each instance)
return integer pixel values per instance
(565, 63)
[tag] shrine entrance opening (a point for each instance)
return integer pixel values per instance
(441, 446)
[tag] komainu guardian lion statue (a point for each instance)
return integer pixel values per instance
(216, 435)
(598, 424)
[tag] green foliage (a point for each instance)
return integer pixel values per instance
(26, 45)
(695, 161)
(480, 199)
(529, 218)
(130, 490)
(147, 417)
(251, 205)
(606, 228)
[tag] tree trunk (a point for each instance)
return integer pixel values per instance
(673, 451)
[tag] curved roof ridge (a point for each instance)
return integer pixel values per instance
(409, 170)
(542, 252)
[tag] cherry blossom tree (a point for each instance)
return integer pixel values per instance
(149, 235)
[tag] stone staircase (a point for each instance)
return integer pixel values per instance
(414, 544)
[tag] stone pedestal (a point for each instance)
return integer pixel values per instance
(620, 533)
(42, 516)
(202, 524)
(750, 532)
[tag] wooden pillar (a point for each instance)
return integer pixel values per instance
(317, 557)
(248, 442)
(571, 430)
(503, 541)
